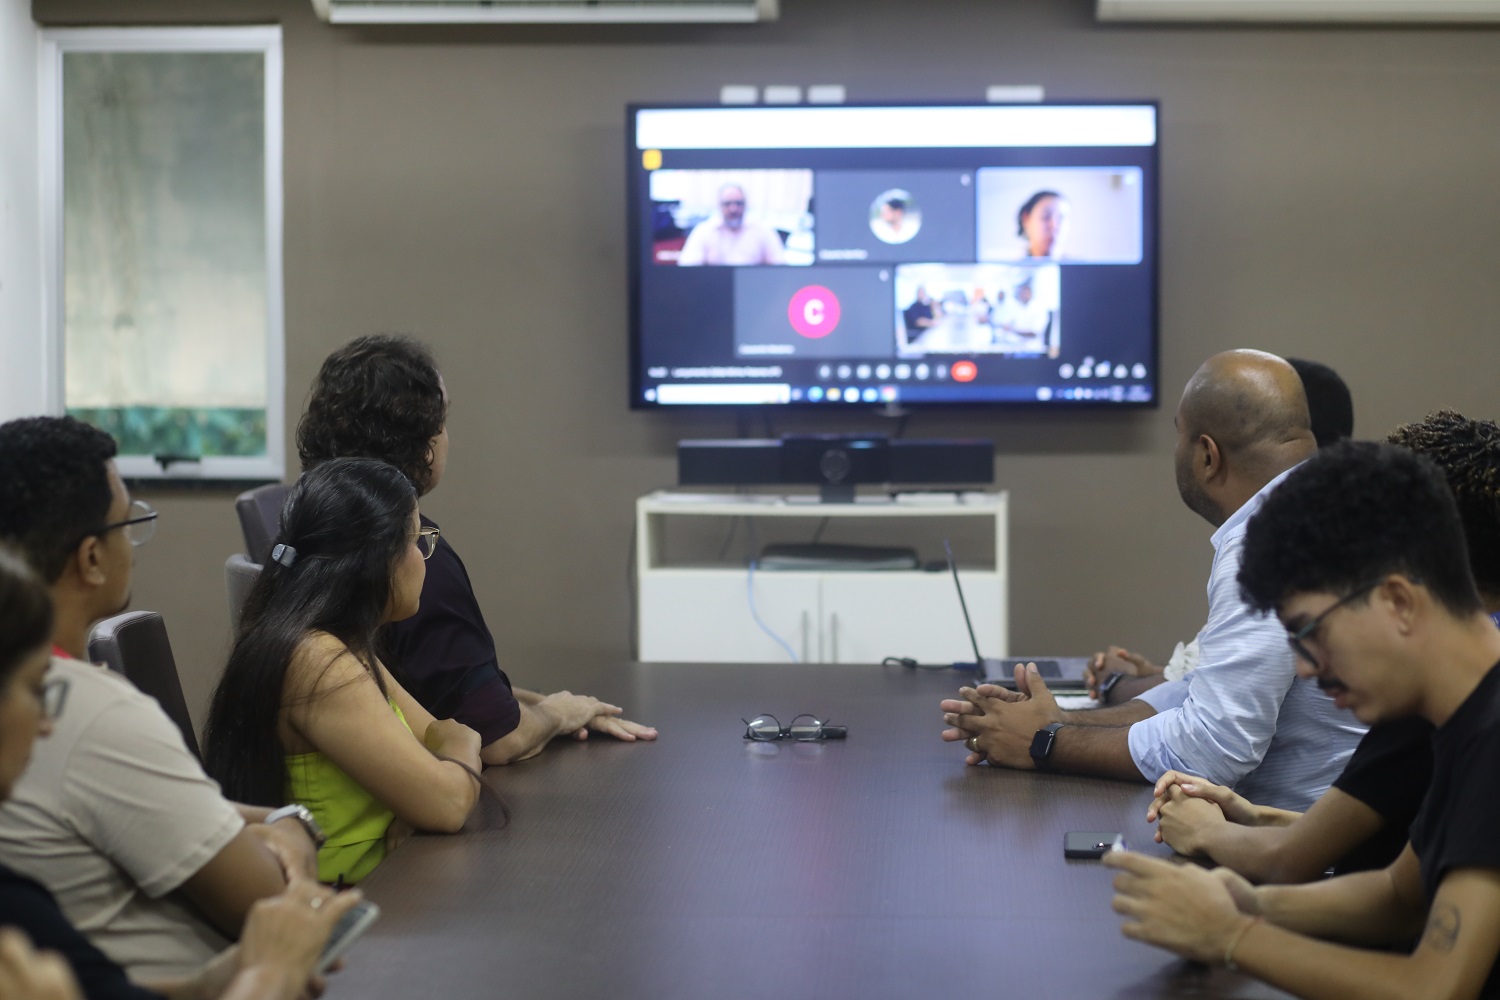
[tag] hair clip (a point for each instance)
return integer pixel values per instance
(284, 554)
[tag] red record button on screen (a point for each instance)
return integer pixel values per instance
(964, 371)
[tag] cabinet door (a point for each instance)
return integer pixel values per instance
(704, 616)
(869, 616)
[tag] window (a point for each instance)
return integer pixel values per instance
(161, 173)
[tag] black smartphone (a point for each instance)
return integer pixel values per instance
(1088, 844)
(350, 926)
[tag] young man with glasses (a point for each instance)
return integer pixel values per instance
(115, 815)
(1361, 554)
(1362, 821)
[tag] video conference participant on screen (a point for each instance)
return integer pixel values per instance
(1022, 317)
(895, 219)
(1042, 223)
(730, 238)
(920, 316)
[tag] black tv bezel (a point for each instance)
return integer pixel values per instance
(637, 400)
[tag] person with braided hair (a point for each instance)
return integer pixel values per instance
(1362, 821)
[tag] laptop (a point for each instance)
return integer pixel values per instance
(1062, 673)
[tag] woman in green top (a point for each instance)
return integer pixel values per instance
(305, 711)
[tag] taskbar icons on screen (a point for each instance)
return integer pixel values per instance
(921, 382)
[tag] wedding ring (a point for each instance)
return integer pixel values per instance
(972, 743)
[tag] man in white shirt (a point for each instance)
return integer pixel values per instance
(1242, 718)
(114, 815)
(1022, 319)
(729, 238)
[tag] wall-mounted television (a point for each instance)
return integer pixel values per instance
(823, 255)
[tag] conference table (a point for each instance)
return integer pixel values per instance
(706, 865)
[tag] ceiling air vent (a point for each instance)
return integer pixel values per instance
(1286, 11)
(544, 11)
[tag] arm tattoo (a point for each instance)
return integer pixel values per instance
(1442, 927)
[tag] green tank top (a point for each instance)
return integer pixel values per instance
(353, 819)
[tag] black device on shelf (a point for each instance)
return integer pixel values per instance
(893, 254)
(836, 462)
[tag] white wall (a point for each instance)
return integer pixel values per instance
(21, 362)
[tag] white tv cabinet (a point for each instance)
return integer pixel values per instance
(695, 609)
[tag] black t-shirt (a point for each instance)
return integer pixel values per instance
(1456, 826)
(914, 313)
(1389, 772)
(445, 656)
(25, 904)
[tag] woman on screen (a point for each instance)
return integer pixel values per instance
(1042, 224)
(306, 712)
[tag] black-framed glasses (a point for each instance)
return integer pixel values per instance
(427, 539)
(54, 696)
(140, 525)
(1295, 639)
(803, 729)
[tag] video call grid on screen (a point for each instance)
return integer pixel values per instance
(858, 269)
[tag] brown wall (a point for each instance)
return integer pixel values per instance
(1326, 193)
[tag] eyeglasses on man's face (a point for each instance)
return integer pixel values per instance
(139, 524)
(1297, 640)
(427, 539)
(803, 729)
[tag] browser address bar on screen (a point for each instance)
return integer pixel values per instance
(895, 127)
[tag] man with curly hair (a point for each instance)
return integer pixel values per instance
(1361, 554)
(382, 397)
(1363, 820)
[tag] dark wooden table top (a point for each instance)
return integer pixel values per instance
(706, 865)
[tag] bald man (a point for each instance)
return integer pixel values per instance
(1243, 717)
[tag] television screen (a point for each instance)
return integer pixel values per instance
(954, 254)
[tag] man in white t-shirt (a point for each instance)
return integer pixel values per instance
(1022, 318)
(114, 815)
(729, 239)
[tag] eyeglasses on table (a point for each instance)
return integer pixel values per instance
(802, 728)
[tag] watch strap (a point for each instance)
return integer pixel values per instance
(1042, 744)
(303, 815)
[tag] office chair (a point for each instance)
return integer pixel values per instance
(240, 574)
(135, 644)
(260, 518)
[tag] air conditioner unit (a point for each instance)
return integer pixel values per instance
(543, 11)
(1326, 11)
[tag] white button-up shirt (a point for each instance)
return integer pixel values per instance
(1243, 718)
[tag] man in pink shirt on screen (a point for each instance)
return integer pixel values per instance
(729, 239)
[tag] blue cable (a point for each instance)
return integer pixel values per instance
(750, 595)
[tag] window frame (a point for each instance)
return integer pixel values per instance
(55, 43)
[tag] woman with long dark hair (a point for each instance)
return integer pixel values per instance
(382, 397)
(305, 711)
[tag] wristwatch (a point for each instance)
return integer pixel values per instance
(303, 815)
(1042, 744)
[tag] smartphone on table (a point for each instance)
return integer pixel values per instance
(348, 930)
(1090, 844)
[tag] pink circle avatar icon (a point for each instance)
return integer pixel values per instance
(814, 311)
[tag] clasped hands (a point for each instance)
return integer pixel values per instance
(1184, 807)
(1000, 722)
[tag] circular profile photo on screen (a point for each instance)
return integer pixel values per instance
(895, 216)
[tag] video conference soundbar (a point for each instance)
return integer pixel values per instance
(836, 462)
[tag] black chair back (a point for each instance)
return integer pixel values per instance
(135, 644)
(260, 518)
(240, 574)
